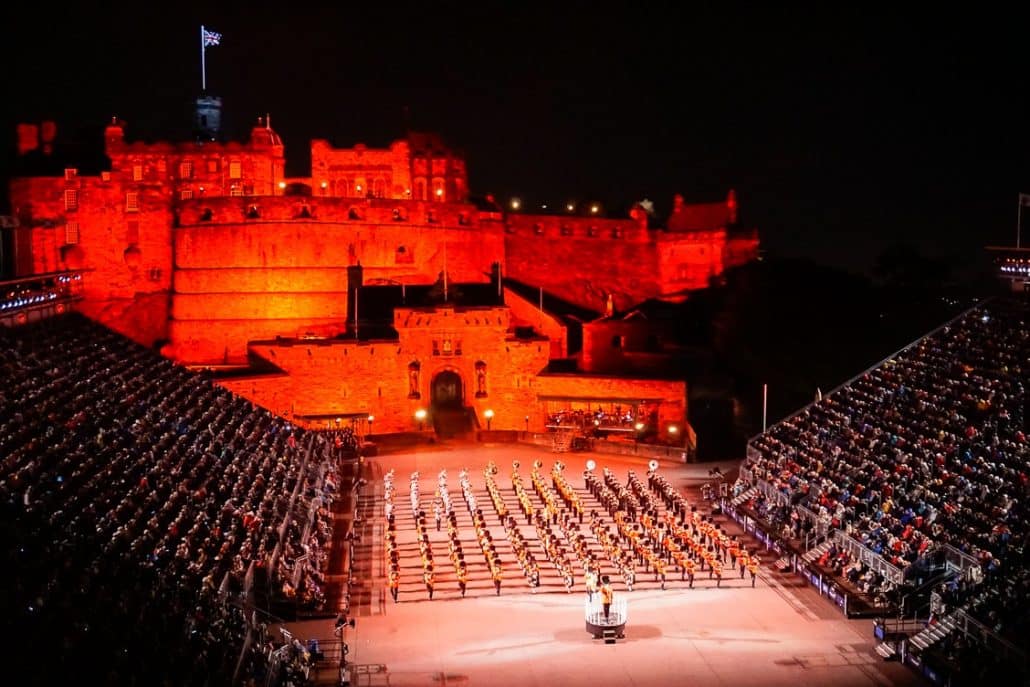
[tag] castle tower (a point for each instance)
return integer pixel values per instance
(207, 118)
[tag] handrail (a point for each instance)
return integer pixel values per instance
(1008, 649)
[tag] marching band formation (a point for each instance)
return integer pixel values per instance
(641, 527)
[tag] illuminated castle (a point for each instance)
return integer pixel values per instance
(377, 286)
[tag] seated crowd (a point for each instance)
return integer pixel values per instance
(926, 450)
(137, 497)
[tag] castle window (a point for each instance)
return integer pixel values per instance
(616, 232)
(137, 172)
(186, 169)
(70, 173)
(378, 188)
(132, 201)
(162, 168)
(71, 232)
(616, 341)
(132, 232)
(235, 169)
(206, 215)
(430, 217)
(397, 215)
(186, 194)
(463, 219)
(591, 231)
(353, 214)
(538, 229)
(253, 212)
(212, 165)
(71, 199)
(236, 191)
(105, 176)
(304, 212)
(420, 189)
(566, 230)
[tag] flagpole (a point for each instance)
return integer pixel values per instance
(203, 65)
(765, 404)
(1019, 219)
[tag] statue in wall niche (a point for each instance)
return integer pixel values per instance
(413, 370)
(480, 379)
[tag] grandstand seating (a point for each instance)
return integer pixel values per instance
(924, 454)
(146, 489)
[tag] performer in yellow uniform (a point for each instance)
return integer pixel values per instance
(606, 595)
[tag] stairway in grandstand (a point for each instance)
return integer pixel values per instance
(744, 497)
(813, 554)
(452, 421)
(351, 575)
(934, 633)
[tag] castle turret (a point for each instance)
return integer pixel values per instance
(207, 118)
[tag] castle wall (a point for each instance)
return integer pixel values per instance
(123, 246)
(527, 313)
(688, 261)
(286, 275)
(583, 259)
(611, 345)
(742, 248)
(329, 378)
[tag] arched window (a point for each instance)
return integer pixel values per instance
(420, 189)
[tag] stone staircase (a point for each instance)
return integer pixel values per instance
(561, 440)
(450, 422)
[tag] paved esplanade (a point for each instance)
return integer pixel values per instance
(778, 633)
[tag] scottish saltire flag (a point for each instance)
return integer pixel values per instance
(211, 38)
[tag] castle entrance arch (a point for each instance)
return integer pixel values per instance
(447, 390)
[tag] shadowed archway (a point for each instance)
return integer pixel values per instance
(447, 396)
(447, 390)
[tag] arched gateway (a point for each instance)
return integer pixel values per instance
(448, 390)
(447, 395)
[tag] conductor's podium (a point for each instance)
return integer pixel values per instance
(610, 628)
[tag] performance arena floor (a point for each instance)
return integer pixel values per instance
(781, 632)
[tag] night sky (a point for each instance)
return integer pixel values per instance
(841, 132)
